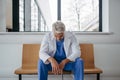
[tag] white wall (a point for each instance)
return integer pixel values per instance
(107, 48)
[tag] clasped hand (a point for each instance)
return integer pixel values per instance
(57, 68)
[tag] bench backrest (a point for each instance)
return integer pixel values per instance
(30, 55)
(87, 54)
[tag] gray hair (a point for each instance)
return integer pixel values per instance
(58, 27)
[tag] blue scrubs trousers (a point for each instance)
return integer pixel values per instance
(76, 67)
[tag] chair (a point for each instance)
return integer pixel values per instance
(87, 54)
(30, 56)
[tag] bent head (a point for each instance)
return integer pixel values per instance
(58, 30)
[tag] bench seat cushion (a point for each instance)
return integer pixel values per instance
(35, 71)
(26, 71)
(92, 71)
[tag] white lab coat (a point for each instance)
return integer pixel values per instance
(48, 47)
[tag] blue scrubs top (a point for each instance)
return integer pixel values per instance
(60, 52)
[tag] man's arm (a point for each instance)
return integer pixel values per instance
(44, 49)
(55, 65)
(62, 64)
(75, 48)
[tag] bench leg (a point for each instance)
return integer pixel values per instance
(20, 77)
(98, 76)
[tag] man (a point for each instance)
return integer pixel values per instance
(59, 51)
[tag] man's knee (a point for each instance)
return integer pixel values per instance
(78, 60)
(40, 63)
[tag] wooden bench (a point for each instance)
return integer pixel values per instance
(30, 56)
